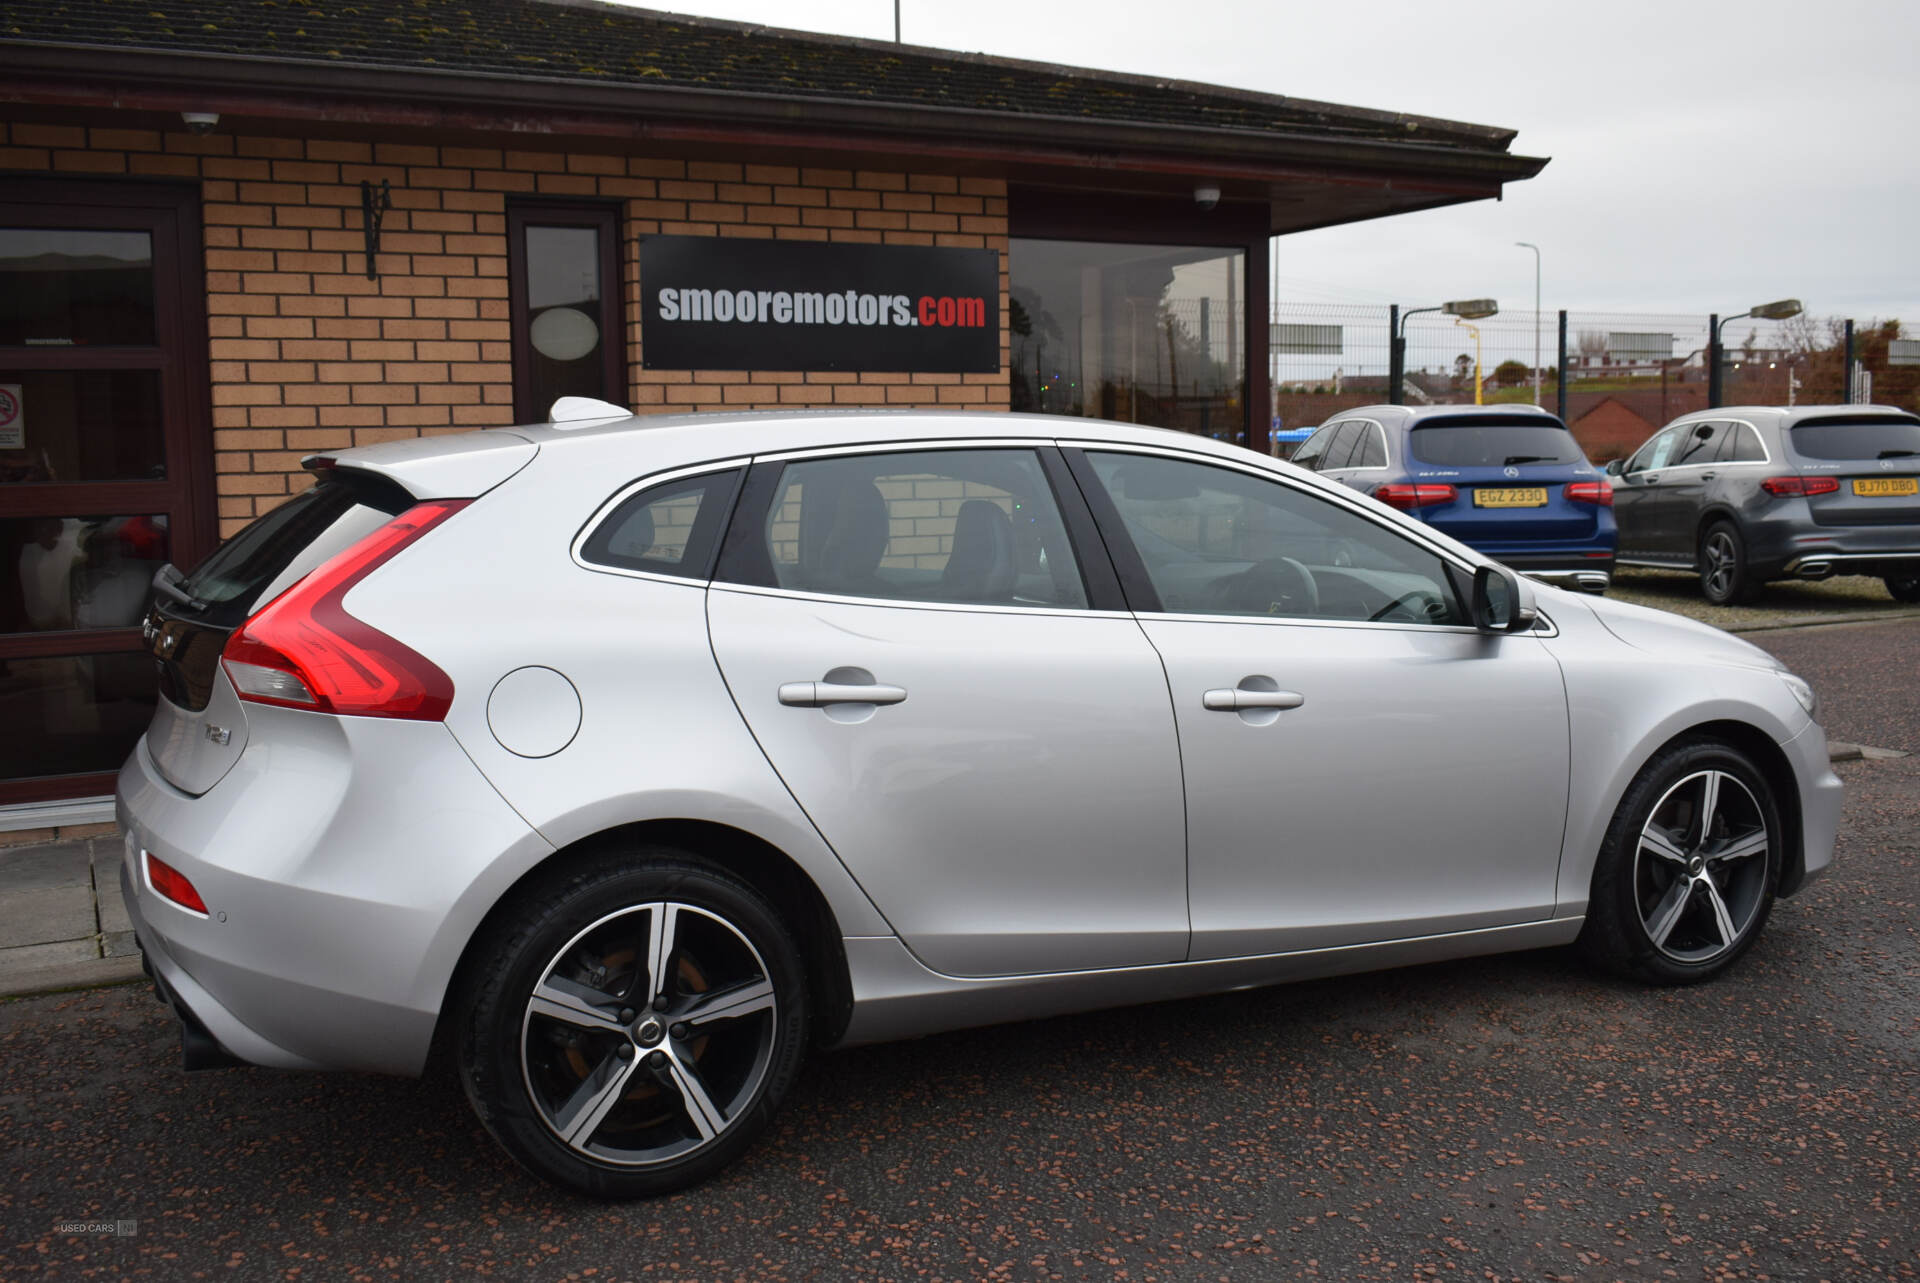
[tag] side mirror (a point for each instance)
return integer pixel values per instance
(1501, 602)
(1615, 467)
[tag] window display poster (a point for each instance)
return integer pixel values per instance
(13, 418)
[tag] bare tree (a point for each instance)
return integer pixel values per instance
(1592, 345)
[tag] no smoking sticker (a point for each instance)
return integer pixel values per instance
(13, 419)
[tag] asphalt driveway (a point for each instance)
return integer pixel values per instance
(1499, 1118)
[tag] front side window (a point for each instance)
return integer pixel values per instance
(1314, 449)
(1654, 453)
(1219, 542)
(1152, 334)
(972, 527)
(563, 269)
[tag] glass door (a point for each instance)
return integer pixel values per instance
(104, 456)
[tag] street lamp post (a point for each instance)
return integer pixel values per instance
(1475, 331)
(1536, 316)
(1778, 310)
(1473, 309)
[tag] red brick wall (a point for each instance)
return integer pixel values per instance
(1610, 430)
(308, 354)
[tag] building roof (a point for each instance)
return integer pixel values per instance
(581, 69)
(579, 40)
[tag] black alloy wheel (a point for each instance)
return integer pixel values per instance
(1687, 873)
(634, 1024)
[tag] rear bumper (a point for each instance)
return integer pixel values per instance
(210, 1035)
(1806, 550)
(1821, 565)
(341, 885)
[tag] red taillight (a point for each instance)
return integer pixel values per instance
(169, 882)
(1403, 497)
(1785, 486)
(305, 651)
(1599, 493)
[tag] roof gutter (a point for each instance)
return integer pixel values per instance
(360, 93)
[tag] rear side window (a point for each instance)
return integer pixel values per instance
(668, 529)
(1857, 437)
(1370, 451)
(278, 550)
(1340, 449)
(975, 527)
(1697, 445)
(1467, 442)
(1741, 445)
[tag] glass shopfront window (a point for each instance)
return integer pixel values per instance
(65, 426)
(62, 573)
(73, 287)
(105, 464)
(1150, 334)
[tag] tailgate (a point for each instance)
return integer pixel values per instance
(1874, 460)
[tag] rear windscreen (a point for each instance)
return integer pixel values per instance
(275, 552)
(1857, 437)
(1467, 443)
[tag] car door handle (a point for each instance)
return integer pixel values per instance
(1706, 476)
(1235, 700)
(823, 694)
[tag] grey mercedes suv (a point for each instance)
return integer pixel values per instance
(1747, 494)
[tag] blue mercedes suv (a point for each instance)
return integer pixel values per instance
(1509, 480)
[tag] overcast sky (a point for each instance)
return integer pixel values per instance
(1705, 156)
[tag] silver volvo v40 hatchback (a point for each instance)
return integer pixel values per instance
(629, 759)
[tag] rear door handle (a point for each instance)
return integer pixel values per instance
(823, 694)
(1235, 700)
(1706, 476)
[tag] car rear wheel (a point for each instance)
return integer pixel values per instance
(1725, 578)
(1687, 873)
(634, 1024)
(1904, 587)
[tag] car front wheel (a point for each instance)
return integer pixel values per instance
(633, 1025)
(1687, 873)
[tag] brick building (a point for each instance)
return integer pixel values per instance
(236, 233)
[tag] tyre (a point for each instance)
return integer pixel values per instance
(1904, 587)
(633, 1024)
(1725, 577)
(1687, 873)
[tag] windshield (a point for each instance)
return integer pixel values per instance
(1467, 443)
(1857, 438)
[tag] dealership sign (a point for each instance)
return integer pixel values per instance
(733, 304)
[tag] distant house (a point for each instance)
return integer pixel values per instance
(1611, 429)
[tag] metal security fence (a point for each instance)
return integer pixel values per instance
(1625, 373)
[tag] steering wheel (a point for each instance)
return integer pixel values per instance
(1404, 599)
(1279, 586)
